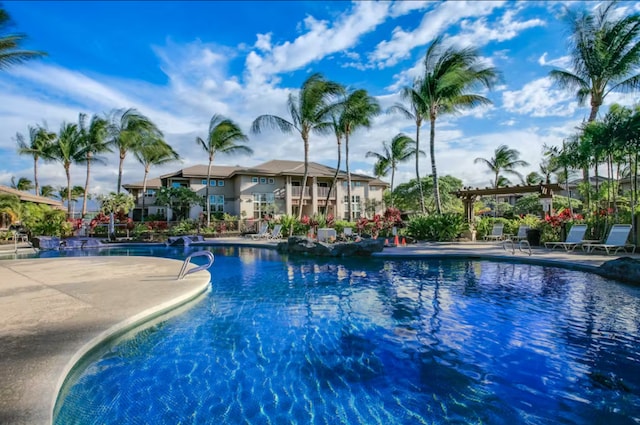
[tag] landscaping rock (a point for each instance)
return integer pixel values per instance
(625, 269)
(306, 246)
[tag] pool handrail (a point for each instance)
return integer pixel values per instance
(184, 271)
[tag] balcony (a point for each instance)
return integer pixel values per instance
(296, 190)
(324, 191)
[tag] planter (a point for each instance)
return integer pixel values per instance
(533, 237)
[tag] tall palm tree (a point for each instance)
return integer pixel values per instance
(68, 150)
(153, 151)
(10, 53)
(40, 140)
(94, 142)
(223, 137)
(417, 110)
(356, 110)
(450, 74)
(504, 160)
(23, 184)
(309, 111)
(605, 55)
(401, 149)
(125, 128)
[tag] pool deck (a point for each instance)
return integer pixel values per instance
(52, 311)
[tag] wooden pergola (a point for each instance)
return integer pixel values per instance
(469, 195)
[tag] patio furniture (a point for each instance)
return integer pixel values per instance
(262, 233)
(574, 238)
(616, 241)
(496, 233)
(276, 233)
(522, 233)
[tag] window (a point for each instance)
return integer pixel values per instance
(263, 180)
(217, 202)
(204, 182)
(271, 180)
(212, 182)
(355, 206)
(150, 192)
(178, 184)
(262, 204)
(254, 180)
(220, 183)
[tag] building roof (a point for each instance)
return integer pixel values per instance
(151, 184)
(275, 167)
(30, 197)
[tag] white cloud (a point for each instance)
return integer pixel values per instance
(320, 39)
(539, 98)
(390, 52)
(563, 62)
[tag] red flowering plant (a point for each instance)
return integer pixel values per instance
(392, 219)
(554, 226)
(565, 216)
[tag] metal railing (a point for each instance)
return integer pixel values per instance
(184, 271)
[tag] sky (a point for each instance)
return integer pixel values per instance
(179, 63)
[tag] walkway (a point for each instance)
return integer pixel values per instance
(51, 310)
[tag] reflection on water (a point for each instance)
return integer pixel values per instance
(300, 340)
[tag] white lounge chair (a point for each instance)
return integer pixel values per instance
(276, 233)
(496, 233)
(616, 241)
(348, 233)
(574, 238)
(262, 233)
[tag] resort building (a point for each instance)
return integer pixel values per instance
(5, 219)
(274, 187)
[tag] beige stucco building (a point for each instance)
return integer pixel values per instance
(273, 187)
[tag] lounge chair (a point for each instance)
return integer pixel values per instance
(574, 238)
(348, 233)
(496, 233)
(522, 233)
(262, 233)
(616, 241)
(276, 233)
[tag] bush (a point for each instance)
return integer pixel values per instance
(436, 227)
(185, 227)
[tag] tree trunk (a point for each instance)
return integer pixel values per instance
(335, 178)
(66, 170)
(144, 191)
(432, 152)
(35, 175)
(120, 168)
(393, 173)
(206, 191)
(86, 186)
(419, 182)
(305, 139)
(346, 163)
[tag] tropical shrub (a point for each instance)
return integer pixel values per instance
(185, 227)
(436, 227)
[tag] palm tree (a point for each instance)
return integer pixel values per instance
(223, 137)
(417, 111)
(605, 54)
(94, 142)
(23, 184)
(356, 110)
(125, 130)
(505, 160)
(10, 54)
(47, 191)
(68, 150)
(533, 178)
(153, 151)
(40, 140)
(309, 111)
(402, 148)
(449, 76)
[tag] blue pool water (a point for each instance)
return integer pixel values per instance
(307, 341)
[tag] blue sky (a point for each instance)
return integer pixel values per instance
(181, 62)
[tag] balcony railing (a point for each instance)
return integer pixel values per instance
(296, 190)
(324, 191)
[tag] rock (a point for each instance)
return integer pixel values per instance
(302, 245)
(625, 269)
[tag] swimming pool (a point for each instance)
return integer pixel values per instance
(309, 341)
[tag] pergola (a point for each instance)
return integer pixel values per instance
(469, 195)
